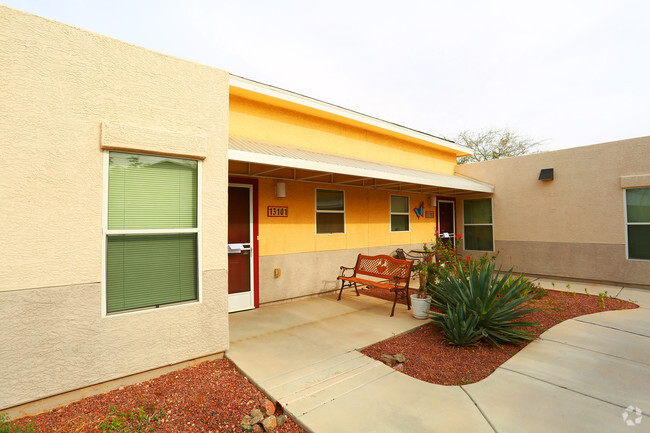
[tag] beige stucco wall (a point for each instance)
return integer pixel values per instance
(65, 93)
(573, 226)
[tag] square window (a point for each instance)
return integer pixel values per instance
(152, 231)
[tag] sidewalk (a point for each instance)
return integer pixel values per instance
(580, 376)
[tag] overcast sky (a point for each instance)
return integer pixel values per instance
(569, 72)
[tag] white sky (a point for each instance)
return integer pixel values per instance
(569, 72)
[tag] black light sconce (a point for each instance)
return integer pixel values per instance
(546, 174)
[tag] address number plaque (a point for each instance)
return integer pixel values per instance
(277, 211)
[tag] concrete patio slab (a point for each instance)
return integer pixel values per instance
(601, 339)
(635, 321)
(314, 398)
(517, 403)
(273, 340)
(611, 379)
(579, 376)
(398, 403)
(638, 296)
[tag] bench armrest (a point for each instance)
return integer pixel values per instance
(344, 269)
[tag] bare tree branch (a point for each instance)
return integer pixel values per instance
(495, 144)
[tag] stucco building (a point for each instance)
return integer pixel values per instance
(145, 197)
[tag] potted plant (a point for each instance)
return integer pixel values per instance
(441, 253)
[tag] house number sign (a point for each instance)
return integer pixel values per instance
(277, 211)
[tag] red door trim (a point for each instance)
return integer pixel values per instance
(256, 253)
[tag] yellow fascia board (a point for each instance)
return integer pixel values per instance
(275, 96)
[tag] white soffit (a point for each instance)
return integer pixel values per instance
(259, 152)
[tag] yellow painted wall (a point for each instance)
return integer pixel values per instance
(367, 220)
(262, 121)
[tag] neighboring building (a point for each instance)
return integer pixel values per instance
(591, 221)
(144, 197)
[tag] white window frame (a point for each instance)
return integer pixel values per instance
(316, 212)
(106, 232)
(627, 223)
(407, 213)
(483, 224)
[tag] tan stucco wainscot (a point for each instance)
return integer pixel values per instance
(574, 225)
(67, 95)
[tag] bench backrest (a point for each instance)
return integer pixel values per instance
(383, 266)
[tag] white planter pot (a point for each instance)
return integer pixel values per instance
(420, 306)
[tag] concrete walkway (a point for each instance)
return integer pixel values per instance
(579, 376)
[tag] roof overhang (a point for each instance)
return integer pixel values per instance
(244, 87)
(254, 158)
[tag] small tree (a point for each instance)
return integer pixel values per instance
(495, 144)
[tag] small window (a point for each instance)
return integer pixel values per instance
(477, 218)
(330, 211)
(152, 231)
(637, 203)
(399, 213)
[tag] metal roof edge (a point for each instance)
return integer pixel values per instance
(297, 98)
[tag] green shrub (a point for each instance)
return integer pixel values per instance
(7, 426)
(459, 328)
(138, 420)
(473, 294)
(536, 290)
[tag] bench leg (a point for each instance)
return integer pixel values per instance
(392, 312)
(349, 284)
(342, 287)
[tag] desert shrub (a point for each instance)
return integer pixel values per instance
(473, 294)
(7, 426)
(530, 288)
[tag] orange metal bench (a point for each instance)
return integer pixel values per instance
(396, 271)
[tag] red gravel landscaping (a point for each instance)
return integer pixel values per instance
(210, 397)
(431, 359)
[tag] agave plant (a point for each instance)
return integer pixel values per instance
(477, 301)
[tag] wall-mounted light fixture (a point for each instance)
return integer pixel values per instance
(546, 174)
(280, 190)
(433, 201)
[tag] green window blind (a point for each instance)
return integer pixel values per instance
(151, 192)
(150, 270)
(145, 269)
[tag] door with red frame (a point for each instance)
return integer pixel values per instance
(240, 247)
(447, 220)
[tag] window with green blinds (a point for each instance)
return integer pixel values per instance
(145, 269)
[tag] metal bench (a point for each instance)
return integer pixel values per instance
(396, 271)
